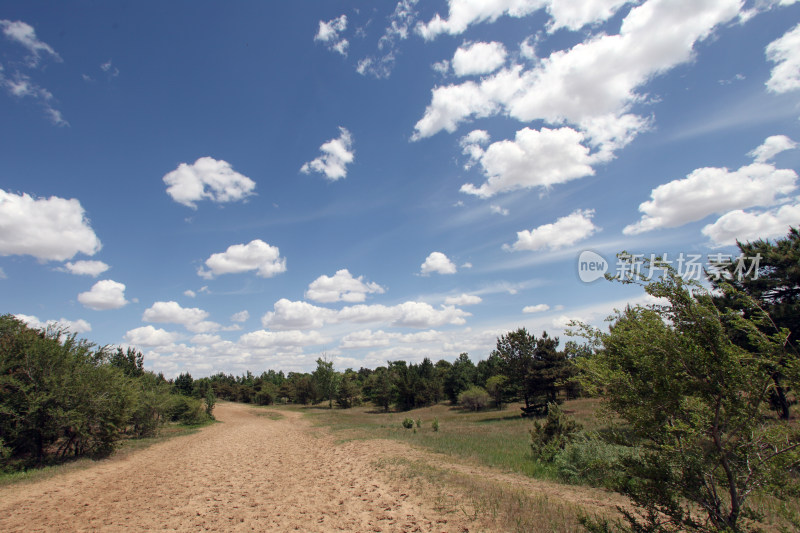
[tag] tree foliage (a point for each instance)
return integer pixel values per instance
(326, 380)
(474, 398)
(61, 396)
(775, 287)
(695, 402)
(536, 370)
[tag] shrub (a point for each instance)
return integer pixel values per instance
(551, 437)
(474, 398)
(152, 405)
(57, 397)
(435, 424)
(264, 397)
(496, 386)
(408, 423)
(593, 461)
(211, 401)
(187, 410)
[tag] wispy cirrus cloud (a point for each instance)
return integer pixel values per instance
(18, 82)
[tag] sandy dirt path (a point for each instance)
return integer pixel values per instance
(248, 473)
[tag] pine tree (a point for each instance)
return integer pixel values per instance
(775, 285)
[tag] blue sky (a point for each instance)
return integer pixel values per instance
(243, 185)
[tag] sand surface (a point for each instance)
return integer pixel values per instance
(247, 473)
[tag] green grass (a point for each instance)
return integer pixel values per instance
(495, 438)
(124, 448)
(272, 415)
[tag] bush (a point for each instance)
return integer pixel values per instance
(435, 424)
(593, 461)
(187, 410)
(211, 401)
(58, 397)
(550, 438)
(408, 423)
(152, 405)
(474, 398)
(264, 397)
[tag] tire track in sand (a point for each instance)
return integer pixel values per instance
(248, 473)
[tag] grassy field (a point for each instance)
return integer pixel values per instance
(494, 438)
(499, 439)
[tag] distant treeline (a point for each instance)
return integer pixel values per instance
(522, 368)
(63, 397)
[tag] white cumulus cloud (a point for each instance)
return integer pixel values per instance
(478, 58)
(565, 231)
(289, 315)
(342, 286)
(272, 339)
(150, 336)
(336, 155)
(743, 226)
(710, 190)
(463, 13)
(439, 263)
(105, 294)
(534, 158)
(52, 228)
(241, 316)
(86, 268)
(772, 146)
(192, 318)
(256, 255)
(570, 14)
(73, 326)
(207, 179)
(785, 53)
(591, 86)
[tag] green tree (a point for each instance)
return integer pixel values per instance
(304, 389)
(405, 384)
(379, 388)
(326, 379)
(495, 386)
(696, 405)
(775, 285)
(516, 349)
(486, 368)
(184, 384)
(549, 370)
(460, 377)
(131, 362)
(349, 391)
(58, 396)
(553, 435)
(430, 383)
